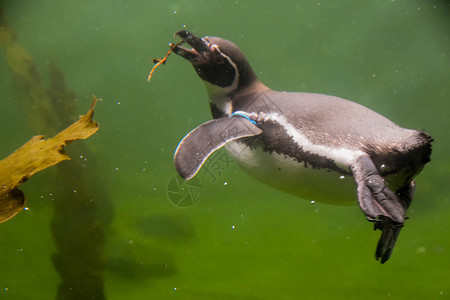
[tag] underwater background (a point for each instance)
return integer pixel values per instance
(116, 222)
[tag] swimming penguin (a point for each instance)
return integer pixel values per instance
(315, 146)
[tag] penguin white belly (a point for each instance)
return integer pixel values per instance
(289, 175)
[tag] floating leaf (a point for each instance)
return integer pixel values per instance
(36, 155)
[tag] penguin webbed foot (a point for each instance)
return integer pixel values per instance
(380, 205)
(389, 233)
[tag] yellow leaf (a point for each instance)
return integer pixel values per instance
(36, 155)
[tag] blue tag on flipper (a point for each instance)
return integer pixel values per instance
(241, 114)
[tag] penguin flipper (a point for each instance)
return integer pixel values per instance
(380, 205)
(201, 142)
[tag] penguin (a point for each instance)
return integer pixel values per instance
(318, 147)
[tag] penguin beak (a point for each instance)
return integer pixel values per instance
(200, 51)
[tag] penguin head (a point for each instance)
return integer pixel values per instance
(217, 61)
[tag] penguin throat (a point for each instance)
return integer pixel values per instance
(219, 100)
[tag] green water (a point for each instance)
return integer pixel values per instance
(241, 240)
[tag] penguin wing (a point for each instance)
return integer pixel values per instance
(201, 142)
